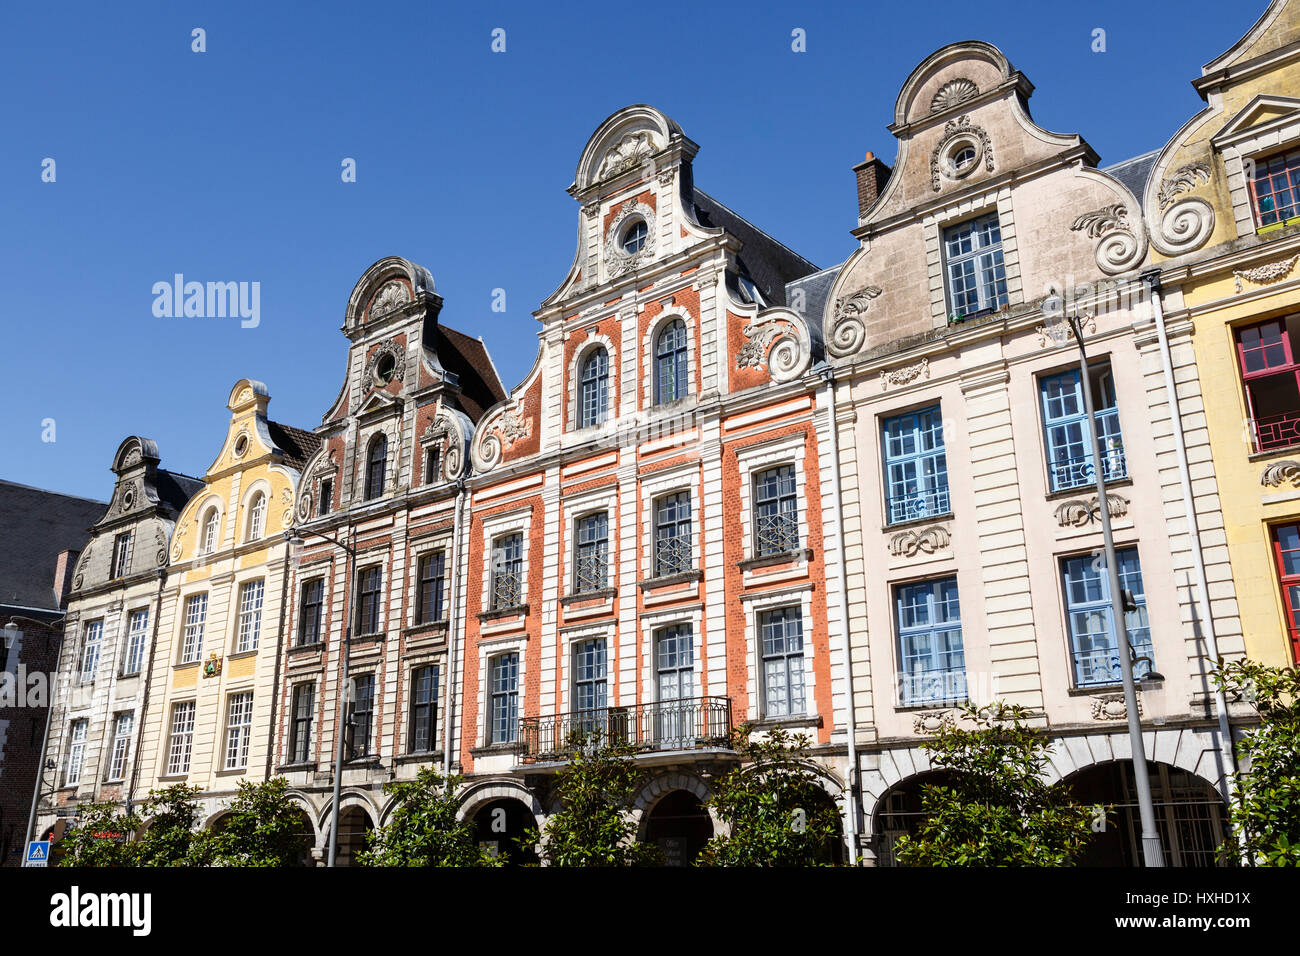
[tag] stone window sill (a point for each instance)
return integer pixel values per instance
(782, 557)
(580, 596)
(297, 767)
(1089, 488)
(913, 522)
(519, 610)
(669, 579)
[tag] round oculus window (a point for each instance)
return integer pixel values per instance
(385, 368)
(963, 158)
(241, 446)
(634, 237)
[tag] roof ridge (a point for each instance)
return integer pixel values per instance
(759, 229)
(49, 491)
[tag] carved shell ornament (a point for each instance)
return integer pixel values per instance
(774, 343)
(848, 330)
(1122, 243)
(953, 93)
(391, 295)
(631, 150)
(1185, 224)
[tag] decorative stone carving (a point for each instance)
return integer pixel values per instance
(930, 722)
(390, 347)
(1263, 275)
(160, 540)
(1184, 179)
(1185, 226)
(286, 499)
(616, 259)
(1112, 707)
(1080, 512)
(178, 541)
(515, 424)
(1279, 472)
(305, 499)
(591, 210)
(1121, 244)
(848, 330)
(132, 458)
(953, 93)
(905, 374)
(447, 429)
(775, 344)
(1059, 332)
(631, 150)
(909, 542)
(212, 666)
(665, 177)
(391, 295)
(960, 128)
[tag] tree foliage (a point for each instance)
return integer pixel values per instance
(171, 814)
(424, 830)
(591, 828)
(102, 837)
(1265, 808)
(996, 808)
(778, 812)
(262, 829)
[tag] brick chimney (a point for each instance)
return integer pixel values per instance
(63, 576)
(872, 176)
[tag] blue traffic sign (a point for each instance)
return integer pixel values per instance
(38, 853)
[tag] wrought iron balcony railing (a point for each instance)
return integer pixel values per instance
(925, 504)
(668, 725)
(1277, 431)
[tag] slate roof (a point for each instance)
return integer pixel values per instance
(467, 358)
(1135, 172)
(175, 489)
(769, 264)
(35, 525)
(816, 289)
(298, 444)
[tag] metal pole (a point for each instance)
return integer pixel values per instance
(45, 741)
(1152, 853)
(341, 719)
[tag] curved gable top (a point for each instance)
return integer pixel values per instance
(1260, 39)
(413, 283)
(625, 140)
(926, 93)
(132, 451)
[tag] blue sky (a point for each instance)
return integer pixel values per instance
(225, 166)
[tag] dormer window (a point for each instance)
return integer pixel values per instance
(1275, 189)
(634, 237)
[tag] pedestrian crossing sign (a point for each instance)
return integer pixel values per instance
(38, 853)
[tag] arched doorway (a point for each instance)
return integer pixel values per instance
(306, 835)
(833, 852)
(354, 828)
(899, 813)
(499, 827)
(1190, 814)
(680, 826)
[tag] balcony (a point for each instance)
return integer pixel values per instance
(1277, 431)
(690, 724)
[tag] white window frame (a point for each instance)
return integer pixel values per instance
(193, 628)
(788, 450)
(239, 729)
(498, 527)
(121, 745)
(75, 762)
(180, 740)
(576, 364)
(684, 478)
(800, 595)
(252, 595)
(136, 640)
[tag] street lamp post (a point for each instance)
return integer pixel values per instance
(295, 543)
(1152, 852)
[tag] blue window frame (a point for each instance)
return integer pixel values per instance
(670, 362)
(504, 681)
(1088, 614)
(1065, 426)
(594, 404)
(977, 279)
(932, 661)
(916, 468)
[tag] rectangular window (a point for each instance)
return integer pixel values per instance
(508, 571)
(430, 588)
(675, 686)
(1286, 548)
(781, 631)
(503, 679)
(121, 556)
(931, 658)
(1088, 613)
(361, 716)
(368, 594)
(1275, 188)
(591, 553)
(432, 462)
(916, 466)
(776, 511)
(326, 496)
(250, 616)
(424, 709)
(123, 725)
(76, 753)
(977, 279)
(137, 634)
(90, 641)
(182, 739)
(304, 703)
(673, 534)
(589, 680)
(310, 602)
(239, 728)
(196, 612)
(1267, 354)
(1065, 427)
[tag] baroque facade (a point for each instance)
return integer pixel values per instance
(738, 489)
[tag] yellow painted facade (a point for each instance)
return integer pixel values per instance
(1235, 277)
(219, 626)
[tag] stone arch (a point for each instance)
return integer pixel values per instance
(621, 141)
(659, 787)
(1196, 751)
(415, 281)
(484, 792)
(613, 369)
(649, 358)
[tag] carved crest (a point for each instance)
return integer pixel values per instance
(391, 295)
(909, 543)
(1112, 707)
(905, 374)
(630, 151)
(930, 722)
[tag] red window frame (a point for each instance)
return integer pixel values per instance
(1283, 180)
(1289, 364)
(1290, 585)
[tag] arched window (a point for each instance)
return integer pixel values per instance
(670, 363)
(594, 399)
(257, 517)
(376, 462)
(210, 524)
